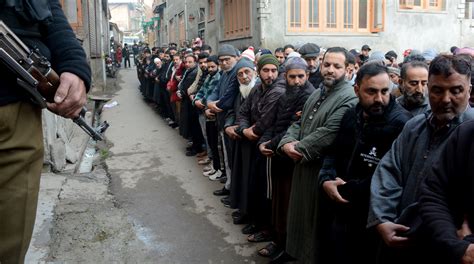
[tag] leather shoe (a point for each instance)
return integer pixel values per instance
(242, 219)
(223, 179)
(226, 201)
(221, 192)
(250, 229)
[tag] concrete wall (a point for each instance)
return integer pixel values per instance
(120, 15)
(403, 29)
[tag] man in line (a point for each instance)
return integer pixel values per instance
(200, 102)
(21, 137)
(306, 142)
(310, 52)
(366, 134)
(396, 182)
(446, 198)
(288, 111)
(412, 84)
(189, 120)
(256, 115)
(219, 105)
(247, 78)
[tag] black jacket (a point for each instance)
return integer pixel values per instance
(316, 79)
(291, 102)
(259, 108)
(359, 146)
(55, 40)
(447, 194)
(189, 77)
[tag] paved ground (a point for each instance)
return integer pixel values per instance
(150, 204)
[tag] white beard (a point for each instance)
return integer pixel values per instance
(245, 89)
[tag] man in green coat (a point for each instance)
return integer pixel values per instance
(306, 142)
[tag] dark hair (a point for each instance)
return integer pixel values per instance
(338, 50)
(288, 46)
(206, 47)
(448, 64)
(203, 56)
(279, 50)
(196, 48)
(190, 55)
(351, 59)
(214, 59)
(411, 64)
(414, 57)
(370, 70)
(172, 48)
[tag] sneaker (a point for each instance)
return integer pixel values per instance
(216, 176)
(207, 168)
(209, 173)
(204, 161)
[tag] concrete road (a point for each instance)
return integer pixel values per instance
(165, 197)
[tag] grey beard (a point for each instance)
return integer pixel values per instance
(245, 89)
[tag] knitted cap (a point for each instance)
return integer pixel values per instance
(296, 63)
(249, 54)
(244, 63)
(227, 50)
(267, 59)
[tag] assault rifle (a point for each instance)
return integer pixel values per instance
(35, 75)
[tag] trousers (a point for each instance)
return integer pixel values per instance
(21, 161)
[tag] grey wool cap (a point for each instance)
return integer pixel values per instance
(309, 50)
(227, 50)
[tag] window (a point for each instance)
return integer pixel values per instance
(360, 16)
(423, 5)
(212, 10)
(73, 11)
(181, 29)
(236, 18)
(172, 27)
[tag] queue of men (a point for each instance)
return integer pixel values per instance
(331, 156)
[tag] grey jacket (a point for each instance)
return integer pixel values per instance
(397, 179)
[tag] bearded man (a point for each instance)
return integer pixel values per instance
(366, 134)
(413, 86)
(306, 142)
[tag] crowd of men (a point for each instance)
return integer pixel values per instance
(330, 155)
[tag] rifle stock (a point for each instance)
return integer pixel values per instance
(35, 75)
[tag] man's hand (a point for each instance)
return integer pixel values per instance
(230, 131)
(191, 97)
(330, 187)
(468, 257)
(213, 107)
(263, 149)
(388, 231)
(198, 104)
(179, 94)
(70, 96)
(464, 230)
(209, 113)
(289, 149)
(249, 134)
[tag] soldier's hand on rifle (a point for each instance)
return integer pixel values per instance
(70, 96)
